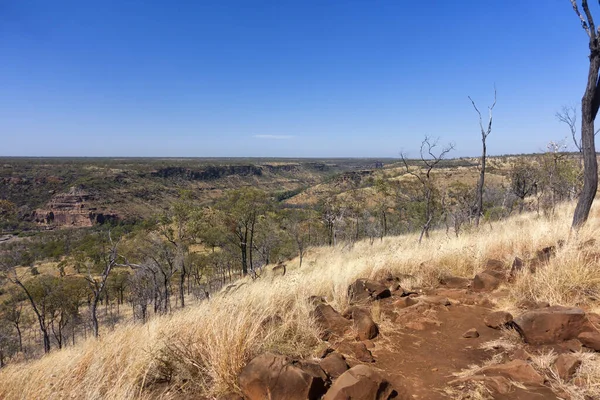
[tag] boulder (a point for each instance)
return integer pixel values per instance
(364, 325)
(590, 340)
(334, 365)
(273, 376)
(498, 319)
(566, 365)
(516, 370)
(550, 325)
(486, 281)
(360, 383)
(471, 334)
(330, 321)
(365, 290)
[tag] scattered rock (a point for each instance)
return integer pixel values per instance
(471, 334)
(364, 290)
(566, 365)
(516, 370)
(356, 349)
(334, 365)
(550, 325)
(360, 383)
(275, 376)
(486, 282)
(455, 282)
(330, 321)
(498, 319)
(517, 266)
(590, 340)
(364, 325)
(404, 302)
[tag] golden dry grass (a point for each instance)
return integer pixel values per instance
(204, 347)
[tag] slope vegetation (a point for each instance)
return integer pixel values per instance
(202, 350)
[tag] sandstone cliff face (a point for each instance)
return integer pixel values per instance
(72, 209)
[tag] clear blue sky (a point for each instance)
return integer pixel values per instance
(284, 78)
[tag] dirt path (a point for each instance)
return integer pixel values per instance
(421, 348)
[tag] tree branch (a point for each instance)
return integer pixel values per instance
(584, 24)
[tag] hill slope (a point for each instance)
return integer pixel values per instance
(203, 349)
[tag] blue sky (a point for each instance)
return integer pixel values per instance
(284, 78)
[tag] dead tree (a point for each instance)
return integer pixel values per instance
(589, 108)
(485, 132)
(423, 175)
(98, 284)
(568, 116)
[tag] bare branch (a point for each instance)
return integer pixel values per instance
(568, 115)
(590, 19)
(584, 24)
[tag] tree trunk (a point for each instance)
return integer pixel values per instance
(589, 109)
(94, 315)
(480, 184)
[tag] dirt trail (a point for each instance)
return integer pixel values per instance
(424, 360)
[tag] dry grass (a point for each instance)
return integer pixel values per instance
(204, 347)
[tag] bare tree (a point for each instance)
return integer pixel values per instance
(430, 160)
(97, 284)
(589, 108)
(485, 132)
(568, 116)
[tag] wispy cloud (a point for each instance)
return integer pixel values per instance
(274, 137)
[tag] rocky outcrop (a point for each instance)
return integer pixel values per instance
(72, 209)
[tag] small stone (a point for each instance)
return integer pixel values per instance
(498, 319)
(471, 334)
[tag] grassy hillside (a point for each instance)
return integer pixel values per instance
(203, 348)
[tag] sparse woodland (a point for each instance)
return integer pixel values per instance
(178, 299)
